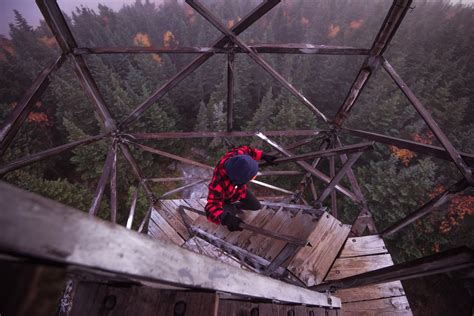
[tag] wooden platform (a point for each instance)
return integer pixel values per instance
(363, 254)
(310, 264)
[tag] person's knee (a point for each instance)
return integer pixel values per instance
(255, 206)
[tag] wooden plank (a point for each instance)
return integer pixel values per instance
(388, 306)
(259, 244)
(263, 216)
(33, 226)
(363, 246)
(236, 308)
(247, 217)
(114, 300)
(371, 292)
(311, 264)
(166, 228)
(168, 211)
(300, 226)
(345, 267)
(155, 231)
(28, 289)
(193, 303)
(192, 215)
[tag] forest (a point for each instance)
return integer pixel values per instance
(432, 52)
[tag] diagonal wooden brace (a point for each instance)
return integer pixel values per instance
(255, 56)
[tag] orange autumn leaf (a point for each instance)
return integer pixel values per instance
(36, 117)
(459, 207)
(169, 40)
(304, 21)
(426, 138)
(354, 25)
(142, 39)
(49, 41)
(190, 14)
(404, 155)
(333, 30)
(157, 58)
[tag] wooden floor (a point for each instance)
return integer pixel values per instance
(363, 254)
(310, 264)
(332, 256)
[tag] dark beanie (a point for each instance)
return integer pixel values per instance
(241, 169)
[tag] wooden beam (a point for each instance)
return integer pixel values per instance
(133, 206)
(102, 181)
(328, 152)
(113, 185)
(15, 119)
(291, 48)
(210, 134)
(230, 91)
(392, 21)
(65, 39)
(424, 149)
(320, 175)
(454, 259)
(238, 28)
(428, 118)
(33, 226)
(338, 177)
(209, 16)
(24, 161)
(427, 208)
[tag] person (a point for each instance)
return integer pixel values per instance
(228, 193)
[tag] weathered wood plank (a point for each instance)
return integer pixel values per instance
(259, 244)
(177, 203)
(169, 231)
(125, 301)
(155, 231)
(360, 255)
(345, 267)
(33, 226)
(263, 216)
(27, 289)
(300, 226)
(363, 246)
(311, 264)
(236, 308)
(371, 292)
(194, 303)
(387, 306)
(168, 211)
(247, 217)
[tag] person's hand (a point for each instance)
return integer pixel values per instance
(232, 222)
(268, 158)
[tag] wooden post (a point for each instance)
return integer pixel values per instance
(230, 91)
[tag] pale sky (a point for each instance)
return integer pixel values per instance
(32, 14)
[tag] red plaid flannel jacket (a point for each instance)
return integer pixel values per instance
(221, 188)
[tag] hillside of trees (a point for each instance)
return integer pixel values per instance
(432, 52)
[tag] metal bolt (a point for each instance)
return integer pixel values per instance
(179, 308)
(254, 311)
(109, 302)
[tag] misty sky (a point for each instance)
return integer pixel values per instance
(32, 14)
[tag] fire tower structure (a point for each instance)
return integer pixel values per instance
(294, 256)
